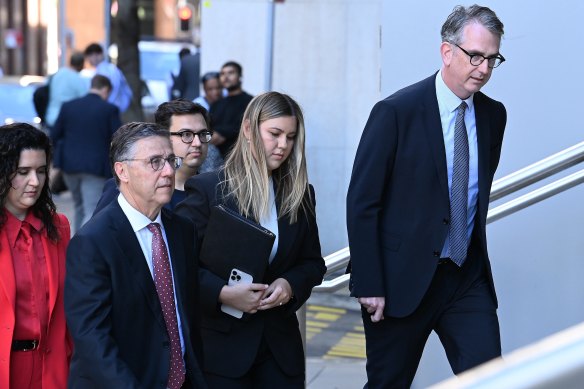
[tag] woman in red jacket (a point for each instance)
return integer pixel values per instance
(34, 344)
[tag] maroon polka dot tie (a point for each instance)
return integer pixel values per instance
(163, 282)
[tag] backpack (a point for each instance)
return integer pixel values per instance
(40, 99)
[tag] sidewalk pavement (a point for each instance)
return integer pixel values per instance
(338, 373)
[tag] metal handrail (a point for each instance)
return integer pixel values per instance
(535, 196)
(538, 171)
(502, 187)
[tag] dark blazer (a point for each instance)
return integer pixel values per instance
(82, 135)
(113, 310)
(398, 198)
(229, 344)
(186, 84)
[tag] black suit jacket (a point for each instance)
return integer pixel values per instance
(398, 199)
(82, 135)
(230, 345)
(113, 310)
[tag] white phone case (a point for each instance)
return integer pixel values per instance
(236, 277)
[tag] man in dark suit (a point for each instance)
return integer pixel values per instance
(131, 290)
(417, 207)
(186, 84)
(82, 136)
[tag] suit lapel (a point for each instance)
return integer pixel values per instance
(433, 126)
(132, 253)
(484, 141)
(177, 254)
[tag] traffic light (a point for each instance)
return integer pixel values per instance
(185, 17)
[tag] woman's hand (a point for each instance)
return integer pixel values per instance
(244, 297)
(278, 293)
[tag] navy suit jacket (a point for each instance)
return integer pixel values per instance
(230, 345)
(113, 310)
(398, 199)
(82, 135)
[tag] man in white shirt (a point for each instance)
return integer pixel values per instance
(131, 290)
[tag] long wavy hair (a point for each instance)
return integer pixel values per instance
(246, 174)
(14, 138)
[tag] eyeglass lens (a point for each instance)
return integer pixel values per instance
(188, 136)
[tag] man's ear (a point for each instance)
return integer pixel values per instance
(121, 170)
(446, 53)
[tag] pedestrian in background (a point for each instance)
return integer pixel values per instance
(226, 113)
(121, 94)
(186, 84)
(82, 136)
(35, 346)
(417, 209)
(265, 180)
(65, 85)
(213, 92)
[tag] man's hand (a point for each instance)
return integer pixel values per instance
(374, 305)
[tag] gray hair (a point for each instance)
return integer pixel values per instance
(125, 138)
(462, 16)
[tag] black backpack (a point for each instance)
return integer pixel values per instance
(40, 99)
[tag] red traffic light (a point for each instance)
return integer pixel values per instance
(185, 13)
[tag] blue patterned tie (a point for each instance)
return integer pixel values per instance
(459, 190)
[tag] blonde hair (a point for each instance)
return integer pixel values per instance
(246, 175)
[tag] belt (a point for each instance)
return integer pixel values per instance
(25, 345)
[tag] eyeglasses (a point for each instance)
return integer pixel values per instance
(477, 59)
(187, 136)
(158, 162)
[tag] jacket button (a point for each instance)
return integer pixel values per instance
(436, 253)
(445, 221)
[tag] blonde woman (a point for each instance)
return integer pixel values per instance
(265, 180)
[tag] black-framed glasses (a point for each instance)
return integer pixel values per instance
(477, 59)
(158, 162)
(187, 136)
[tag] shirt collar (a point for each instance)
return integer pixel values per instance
(13, 225)
(448, 99)
(137, 219)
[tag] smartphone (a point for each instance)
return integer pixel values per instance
(236, 277)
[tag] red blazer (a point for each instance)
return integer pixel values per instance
(57, 346)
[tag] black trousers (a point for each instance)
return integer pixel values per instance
(458, 306)
(264, 374)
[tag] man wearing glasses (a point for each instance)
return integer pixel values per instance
(131, 286)
(190, 132)
(417, 207)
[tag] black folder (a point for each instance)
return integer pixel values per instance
(232, 241)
